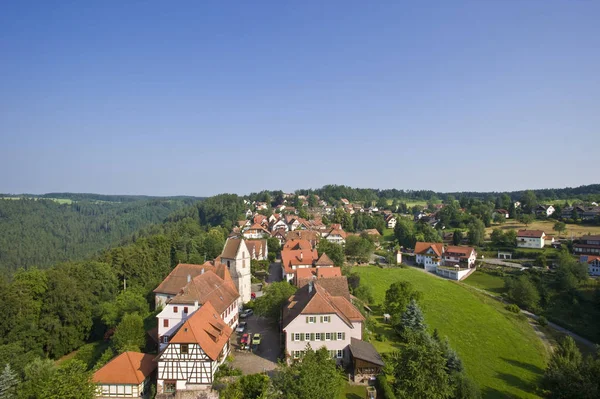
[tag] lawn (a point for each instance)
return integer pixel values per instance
(388, 234)
(486, 281)
(500, 350)
(353, 392)
(547, 225)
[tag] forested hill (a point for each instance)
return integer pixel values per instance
(41, 232)
(335, 192)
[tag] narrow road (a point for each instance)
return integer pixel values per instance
(275, 272)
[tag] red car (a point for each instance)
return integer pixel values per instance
(245, 339)
(253, 296)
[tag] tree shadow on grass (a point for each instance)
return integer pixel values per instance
(517, 382)
(491, 393)
(526, 366)
(353, 396)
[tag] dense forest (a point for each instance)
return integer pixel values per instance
(334, 192)
(40, 232)
(50, 312)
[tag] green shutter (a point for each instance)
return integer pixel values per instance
(301, 336)
(292, 336)
(322, 336)
(334, 336)
(343, 335)
(321, 319)
(307, 319)
(312, 336)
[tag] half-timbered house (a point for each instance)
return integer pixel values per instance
(214, 287)
(194, 353)
(128, 375)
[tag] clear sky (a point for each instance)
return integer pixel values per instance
(201, 97)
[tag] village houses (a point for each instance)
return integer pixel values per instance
(531, 239)
(128, 375)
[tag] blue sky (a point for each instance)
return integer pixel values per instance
(202, 97)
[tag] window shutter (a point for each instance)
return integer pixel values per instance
(334, 338)
(312, 336)
(301, 337)
(343, 335)
(292, 334)
(321, 319)
(307, 319)
(322, 336)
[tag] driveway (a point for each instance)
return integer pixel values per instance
(274, 272)
(264, 358)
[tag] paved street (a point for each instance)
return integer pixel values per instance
(265, 357)
(274, 272)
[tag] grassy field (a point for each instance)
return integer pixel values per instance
(486, 281)
(353, 392)
(545, 225)
(500, 350)
(388, 234)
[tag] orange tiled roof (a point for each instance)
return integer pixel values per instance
(205, 328)
(130, 368)
(290, 257)
(422, 247)
(297, 243)
(328, 272)
(463, 252)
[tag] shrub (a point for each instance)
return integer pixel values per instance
(381, 337)
(542, 321)
(384, 389)
(512, 308)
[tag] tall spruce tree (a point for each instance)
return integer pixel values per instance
(413, 319)
(8, 383)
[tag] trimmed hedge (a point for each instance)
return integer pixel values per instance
(384, 389)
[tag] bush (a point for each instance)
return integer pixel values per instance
(384, 389)
(512, 308)
(542, 321)
(381, 337)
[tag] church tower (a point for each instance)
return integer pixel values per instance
(237, 258)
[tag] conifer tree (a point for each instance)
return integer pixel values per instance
(8, 383)
(412, 318)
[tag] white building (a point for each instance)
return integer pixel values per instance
(429, 255)
(593, 263)
(194, 353)
(463, 257)
(530, 239)
(237, 258)
(390, 221)
(256, 231)
(207, 287)
(128, 375)
(280, 225)
(316, 317)
(336, 236)
(544, 210)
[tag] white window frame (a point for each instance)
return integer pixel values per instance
(296, 337)
(317, 336)
(340, 353)
(326, 319)
(339, 336)
(296, 354)
(312, 319)
(327, 335)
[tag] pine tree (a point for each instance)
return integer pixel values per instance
(8, 383)
(412, 318)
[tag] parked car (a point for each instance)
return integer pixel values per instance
(256, 339)
(241, 327)
(245, 340)
(246, 313)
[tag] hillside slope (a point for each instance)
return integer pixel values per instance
(40, 232)
(500, 351)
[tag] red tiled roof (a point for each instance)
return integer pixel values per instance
(324, 260)
(204, 327)
(422, 247)
(208, 287)
(130, 368)
(290, 257)
(463, 252)
(530, 233)
(298, 244)
(178, 277)
(328, 272)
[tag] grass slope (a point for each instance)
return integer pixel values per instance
(500, 350)
(486, 281)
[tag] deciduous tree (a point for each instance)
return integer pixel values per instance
(129, 334)
(272, 301)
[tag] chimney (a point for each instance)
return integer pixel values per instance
(189, 278)
(196, 305)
